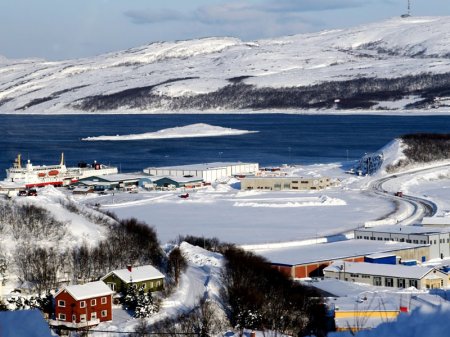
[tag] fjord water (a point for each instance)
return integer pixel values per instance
(282, 138)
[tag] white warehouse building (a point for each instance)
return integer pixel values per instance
(209, 172)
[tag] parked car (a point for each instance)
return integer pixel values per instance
(32, 193)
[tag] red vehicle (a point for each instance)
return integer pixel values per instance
(399, 194)
(184, 196)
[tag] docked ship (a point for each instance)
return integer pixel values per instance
(56, 175)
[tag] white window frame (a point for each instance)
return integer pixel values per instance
(112, 285)
(74, 318)
(93, 315)
(93, 302)
(104, 300)
(61, 316)
(104, 313)
(61, 303)
(83, 318)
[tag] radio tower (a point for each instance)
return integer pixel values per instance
(408, 13)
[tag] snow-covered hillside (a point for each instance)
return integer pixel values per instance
(395, 64)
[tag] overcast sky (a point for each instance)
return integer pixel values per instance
(62, 29)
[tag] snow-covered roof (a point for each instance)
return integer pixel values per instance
(332, 251)
(398, 270)
(200, 167)
(137, 274)
(179, 179)
(87, 290)
(436, 220)
(399, 229)
(367, 301)
(116, 177)
(29, 323)
(380, 255)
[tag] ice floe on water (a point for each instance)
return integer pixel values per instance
(187, 131)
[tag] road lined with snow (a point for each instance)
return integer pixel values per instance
(418, 207)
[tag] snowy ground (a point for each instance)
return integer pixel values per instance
(249, 217)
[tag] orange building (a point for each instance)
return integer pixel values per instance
(310, 260)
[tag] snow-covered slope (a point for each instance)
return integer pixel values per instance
(325, 70)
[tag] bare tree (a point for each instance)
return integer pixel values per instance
(176, 264)
(39, 266)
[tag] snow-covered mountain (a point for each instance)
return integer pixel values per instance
(401, 63)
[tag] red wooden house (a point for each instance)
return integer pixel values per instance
(83, 305)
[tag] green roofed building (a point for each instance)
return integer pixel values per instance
(146, 277)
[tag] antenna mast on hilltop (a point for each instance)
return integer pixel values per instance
(408, 13)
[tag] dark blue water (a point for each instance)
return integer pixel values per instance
(282, 138)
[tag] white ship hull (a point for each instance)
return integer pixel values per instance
(56, 175)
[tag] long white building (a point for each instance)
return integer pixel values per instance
(209, 172)
(437, 237)
(385, 275)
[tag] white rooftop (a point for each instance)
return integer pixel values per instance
(436, 220)
(398, 270)
(201, 166)
(88, 290)
(116, 177)
(367, 301)
(137, 274)
(332, 251)
(380, 255)
(178, 179)
(398, 229)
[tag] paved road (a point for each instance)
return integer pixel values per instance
(420, 207)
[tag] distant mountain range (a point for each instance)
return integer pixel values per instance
(395, 65)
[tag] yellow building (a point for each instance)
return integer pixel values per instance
(285, 183)
(363, 312)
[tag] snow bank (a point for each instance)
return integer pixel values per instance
(200, 257)
(188, 131)
(302, 202)
(425, 321)
(392, 154)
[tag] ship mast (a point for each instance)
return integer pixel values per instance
(62, 159)
(18, 162)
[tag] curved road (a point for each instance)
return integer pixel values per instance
(420, 207)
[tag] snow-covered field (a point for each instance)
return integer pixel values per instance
(389, 49)
(250, 217)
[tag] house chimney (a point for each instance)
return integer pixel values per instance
(129, 267)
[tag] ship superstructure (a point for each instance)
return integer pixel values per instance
(58, 175)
